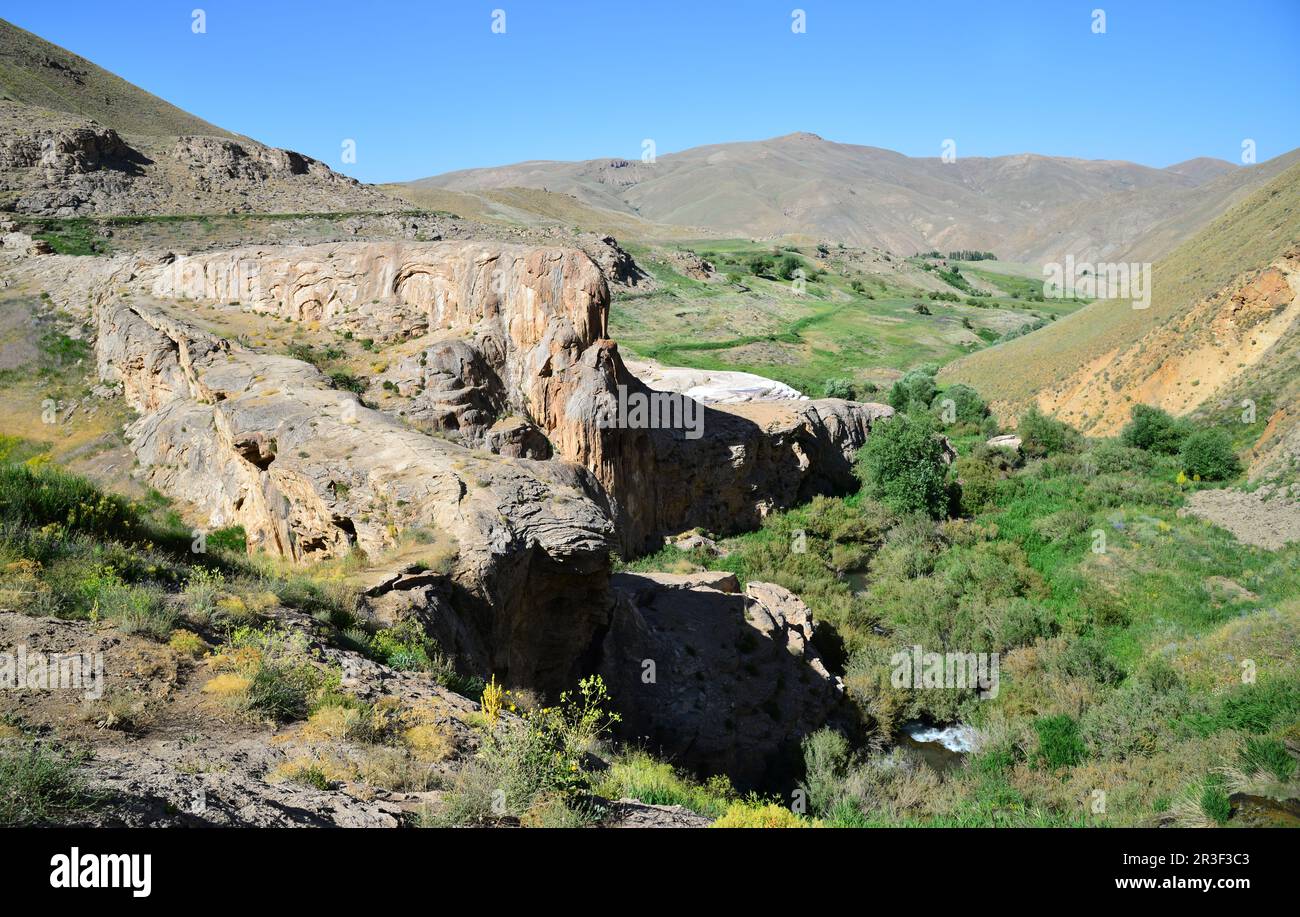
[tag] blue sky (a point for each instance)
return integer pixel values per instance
(428, 87)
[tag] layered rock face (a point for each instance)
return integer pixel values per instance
(264, 442)
(522, 331)
(708, 676)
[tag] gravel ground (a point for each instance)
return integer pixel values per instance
(1267, 518)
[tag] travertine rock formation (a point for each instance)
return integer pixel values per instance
(263, 441)
(523, 331)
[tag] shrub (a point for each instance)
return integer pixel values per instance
(840, 388)
(132, 609)
(1111, 457)
(1215, 803)
(979, 484)
(1042, 436)
(969, 407)
(913, 392)
(281, 692)
(1059, 742)
(1208, 456)
(903, 465)
(826, 756)
(637, 775)
(202, 590)
(1268, 755)
(187, 643)
(1153, 430)
(38, 786)
(753, 813)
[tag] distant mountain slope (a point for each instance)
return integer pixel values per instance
(35, 72)
(1224, 325)
(1024, 207)
(75, 139)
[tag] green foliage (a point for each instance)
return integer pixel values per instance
(1154, 430)
(634, 774)
(914, 392)
(827, 756)
(232, 538)
(840, 388)
(1269, 756)
(1042, 436)
(1255, 708)
(1208, 455)
(1059, 742)
(348, 382)
(1214, 803)
(903, 466)
(38, 786)
(536, 761)
(34, 498)
(968, 406)
(282, 692)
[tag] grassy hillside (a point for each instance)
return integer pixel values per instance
(862, 317)
(35, 72)
(1247, 238)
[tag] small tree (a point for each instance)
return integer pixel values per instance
(903, 466)
(914, 392)
(1208, 455)
(1041, 436)
(1154, 430)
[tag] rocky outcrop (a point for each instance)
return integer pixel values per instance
(263, 441)
(523, 331)
(717, 680)
(55, 163)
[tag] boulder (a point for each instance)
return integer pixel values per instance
(719, 681)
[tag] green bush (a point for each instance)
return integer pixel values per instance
(1268, 755)
(903, 466)
(1215, 803)
(1041, 436)
(826, 757)
(969, 406)
(1059, 742)
(38, 786)
(1154, 430)
(1208, 455)
(282, 692)
(840, 388)
(914, 392)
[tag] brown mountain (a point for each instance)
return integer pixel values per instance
(1024, 207)
(75, 139)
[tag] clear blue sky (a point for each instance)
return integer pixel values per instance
(426, 87)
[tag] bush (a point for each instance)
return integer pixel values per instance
(840, 388)
(282, 692)
(38, 786)
(969, 406)
(903, 465)
(826, 756)
(979, 484)
(913, 392)
(1041, 436)
(1208, 455)
(132, 609)
(1215, 803)
(1268, 755)
(1059, 742)
(1154, 430)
